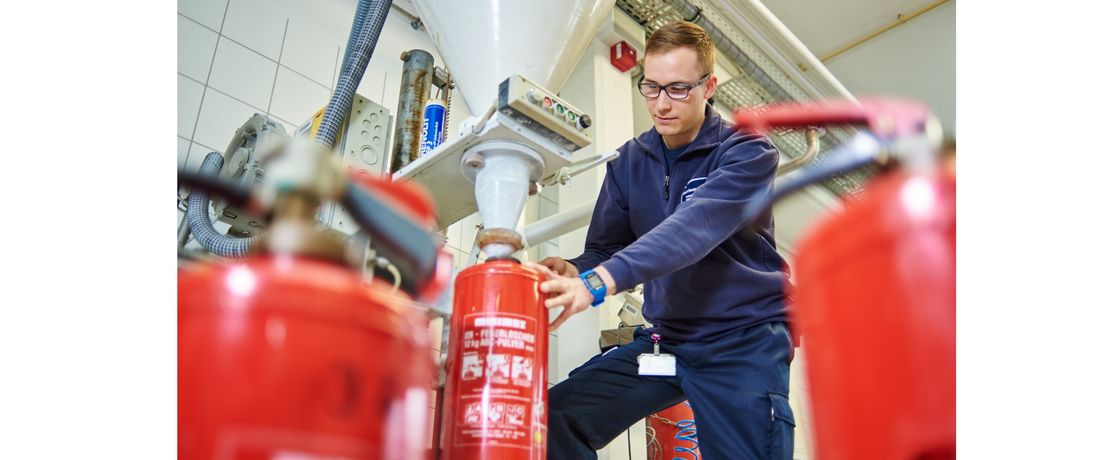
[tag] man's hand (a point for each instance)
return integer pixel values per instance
(568, 292)
(560, 266)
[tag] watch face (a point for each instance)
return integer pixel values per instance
(594, 280)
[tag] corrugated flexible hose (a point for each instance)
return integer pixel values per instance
(201, 226)
(340, 104)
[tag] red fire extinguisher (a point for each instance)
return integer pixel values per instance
(299, 358)
(875, 290)
(496, 392)
(286, 356)
(672, 433)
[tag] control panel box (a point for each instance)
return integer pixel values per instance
(541, 111)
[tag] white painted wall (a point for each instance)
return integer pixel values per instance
(916, 59)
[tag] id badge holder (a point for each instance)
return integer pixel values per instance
(658, 364)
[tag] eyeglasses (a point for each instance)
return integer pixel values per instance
(675, 91)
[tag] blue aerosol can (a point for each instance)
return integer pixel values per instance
(434, 127)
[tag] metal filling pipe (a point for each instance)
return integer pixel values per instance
(813, 144)
(558, 225)
(416, 79)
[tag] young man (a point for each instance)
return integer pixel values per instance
(668, 216)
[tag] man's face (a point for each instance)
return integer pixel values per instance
(677, 120)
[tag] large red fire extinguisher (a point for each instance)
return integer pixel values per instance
(875, 290)
(496, 392)
(672, 433)
(876, 301)
(297, 358)
(295, 355)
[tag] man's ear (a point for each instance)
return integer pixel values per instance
(710, 86)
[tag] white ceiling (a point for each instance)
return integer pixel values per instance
(916, 59)
(824, 25)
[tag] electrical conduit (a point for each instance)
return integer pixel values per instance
(340, 104)
(201, 226)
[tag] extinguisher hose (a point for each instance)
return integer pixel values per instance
(404, 243)
(861, 151)
(400, 240)
(199, 224)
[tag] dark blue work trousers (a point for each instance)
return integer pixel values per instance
(737, 386)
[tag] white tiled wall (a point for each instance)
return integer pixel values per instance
(189, 94)
(195, 45)
(233, 52)
(208, 13)
(242, 73)
(296, 95)
(258, 25)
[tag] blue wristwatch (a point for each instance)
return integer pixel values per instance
(595, 285)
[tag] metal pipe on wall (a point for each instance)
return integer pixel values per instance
(557, 225)
(813, 144)
(753, 14)
(416, 80)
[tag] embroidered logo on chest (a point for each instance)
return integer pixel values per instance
(688, 190)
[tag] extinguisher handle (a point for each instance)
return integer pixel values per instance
(862, 150)
(886, 118)
(408, 246)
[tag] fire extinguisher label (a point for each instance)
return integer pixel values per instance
(499, 382)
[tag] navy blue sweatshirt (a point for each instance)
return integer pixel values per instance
(676, 228)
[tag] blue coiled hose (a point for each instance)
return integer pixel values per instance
(687, 431)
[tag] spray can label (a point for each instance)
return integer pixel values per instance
(433, 128)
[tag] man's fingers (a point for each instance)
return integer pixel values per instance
(542, 269)
(552, 262)
(563, 299)
(554, 285)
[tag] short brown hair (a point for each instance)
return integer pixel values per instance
(684, 34)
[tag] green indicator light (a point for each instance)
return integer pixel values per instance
(559, 108)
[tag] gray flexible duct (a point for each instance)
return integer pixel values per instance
(341, 99)
(360, 17)
(201, 227)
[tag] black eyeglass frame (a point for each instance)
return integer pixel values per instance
(667, 88)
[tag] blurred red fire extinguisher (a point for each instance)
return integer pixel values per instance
(293, 354)
(876, 286)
